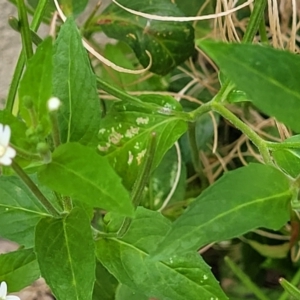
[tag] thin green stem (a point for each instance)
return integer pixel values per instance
(90, 18)
(295, 281)
(36, 21)
(244, 278)
(251, 134)
(67, 203)
(263, 32)
(35, 190)
(27, 155)
(284, 145)
(25, 30)
(141, 181)
(195, 154)
(255, 20)
(201, 110)
(55, 128)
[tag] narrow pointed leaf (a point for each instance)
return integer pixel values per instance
(243, 199)
(178, 278)
(169, 43)
(20, 211)
(19, 269)
(74, 84)
(65, 253)
(37, 84)
(97, 184)
(268, 76)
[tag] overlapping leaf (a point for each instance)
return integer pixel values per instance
(37, 85)
(74, 84)
(243, 199)
(178, 278)
(170, 43)
(19, 269)
(65, 252)
(20, 211)
(268, 76)
(125, 132)
(78, 171)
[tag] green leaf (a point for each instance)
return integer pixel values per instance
(37, 84)
(79, 172)
(105, 285)
(184, 277)
(74, 84)
(19, 269)
(20, 211)
(241, 200)
(290, 288)
(170, 43)
(288, 159)
(65, 253)
(268, 76)
(73, 6)
(125, 132)
(126, 293)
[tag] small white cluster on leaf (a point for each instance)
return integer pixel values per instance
(142, 120)
(7, 153)
(3, 293)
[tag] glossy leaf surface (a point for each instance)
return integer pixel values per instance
(169, 43)
(179, 277)
(125, 132)
(253, 196)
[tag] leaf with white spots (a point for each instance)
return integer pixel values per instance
(169, 43)
(177, 278)
(126, 129)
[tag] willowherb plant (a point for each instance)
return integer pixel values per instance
(119, 169)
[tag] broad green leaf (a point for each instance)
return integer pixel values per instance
(268, 76)
(125, 132)
(74, 84)
(78, 171)
(243, 199)
(180, 277)
(20, 211)
(19, 269)
(37, 84)
(288, 159)
(126, 293)
(169, 43)
(65, 253)
(105, 285)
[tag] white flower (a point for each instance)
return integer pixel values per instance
(53, 104)
(3, 292)
(7, 153)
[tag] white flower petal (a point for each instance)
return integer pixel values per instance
(53, 104)
(3, 289)
(4, 135)
(5, 160)
(10, 152)
(12, 297)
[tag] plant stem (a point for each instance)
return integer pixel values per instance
(141, 181)
(198, 112)
(262, 32)
(255, 20)
(25, 30)
(245, 279)
(27, 155)
(36, 21)
(251, 134)
(55, 128)
(35, 190)
(195, 154)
